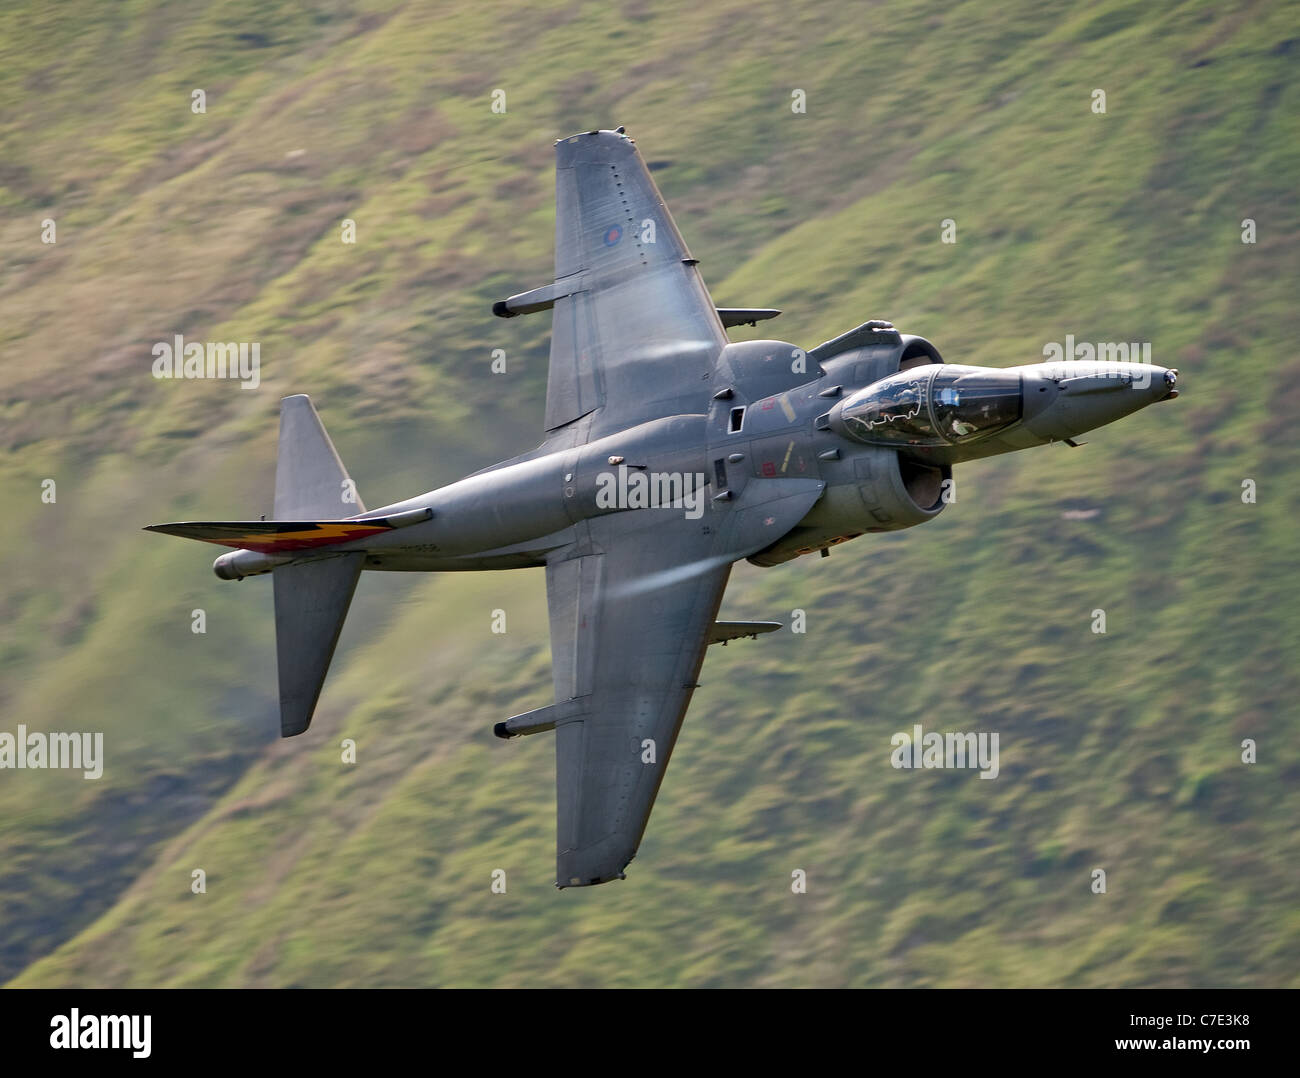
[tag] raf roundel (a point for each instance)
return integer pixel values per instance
(612, 235)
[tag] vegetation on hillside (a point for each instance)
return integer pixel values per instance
(1119, 751)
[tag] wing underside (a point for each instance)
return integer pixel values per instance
(629, 628)
(632, 601)
(634, 333)
(632, 609)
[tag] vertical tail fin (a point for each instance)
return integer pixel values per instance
(310, 480)
(312, 598)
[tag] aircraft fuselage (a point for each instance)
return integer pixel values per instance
(767, 419)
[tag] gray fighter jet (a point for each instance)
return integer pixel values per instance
(669, 454)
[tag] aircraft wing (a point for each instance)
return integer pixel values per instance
(633, 332)
(628, 633)
(632, 611)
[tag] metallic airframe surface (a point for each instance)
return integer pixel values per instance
(670, 453)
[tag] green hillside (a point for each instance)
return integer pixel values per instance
(1118, 751)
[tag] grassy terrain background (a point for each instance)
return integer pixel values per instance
(1119, 752)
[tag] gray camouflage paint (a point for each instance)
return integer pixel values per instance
(642, 376)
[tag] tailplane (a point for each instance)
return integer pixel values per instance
(311, 601)
(287, 536)
(313, 496)
(311, 598)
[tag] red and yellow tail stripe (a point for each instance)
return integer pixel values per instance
(275, 536)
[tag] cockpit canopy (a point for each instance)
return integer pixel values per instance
(935, 404)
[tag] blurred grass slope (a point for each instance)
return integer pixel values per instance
(1118, 752)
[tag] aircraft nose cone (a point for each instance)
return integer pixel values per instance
(1170, 380)
(1064, 400)
(1157, 383)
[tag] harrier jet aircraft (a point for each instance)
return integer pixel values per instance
(670, 453)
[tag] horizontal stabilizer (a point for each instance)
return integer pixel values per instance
(311, 601)
(280, 536)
